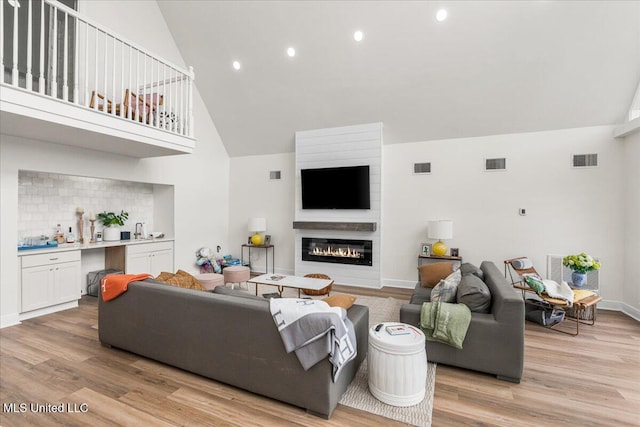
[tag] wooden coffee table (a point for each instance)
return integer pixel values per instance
(295, 282)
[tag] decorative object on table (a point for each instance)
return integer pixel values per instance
(324, 291)
(207, 261)
(112, 223)
(59, 234)
(440, 230)
(92, 220)
(267, 239)
(426, 249)
(80, 213)
(71, 238)
(581, 264)
(257, 226)
(98, 236)
(455, 251)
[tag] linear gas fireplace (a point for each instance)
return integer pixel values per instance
(340, 251)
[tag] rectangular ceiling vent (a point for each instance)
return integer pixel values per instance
(585, 160)
(274, 175)
(498, 164)
(422, 167)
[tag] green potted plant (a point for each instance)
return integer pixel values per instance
(112, 223)
(581, 264)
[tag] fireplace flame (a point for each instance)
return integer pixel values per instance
(336, 252)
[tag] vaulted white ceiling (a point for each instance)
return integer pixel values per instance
(493, 67)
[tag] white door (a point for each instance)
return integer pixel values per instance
(67, 282)
(37, 287)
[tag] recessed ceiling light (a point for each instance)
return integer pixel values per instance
(291, 52)
(236, 65)
(357, 36)
(441, 15)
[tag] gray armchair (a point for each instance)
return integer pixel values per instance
(495, 341)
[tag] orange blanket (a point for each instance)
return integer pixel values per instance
(113, 285)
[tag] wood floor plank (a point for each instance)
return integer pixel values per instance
(589, 380)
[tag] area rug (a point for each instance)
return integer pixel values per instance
(358, 396)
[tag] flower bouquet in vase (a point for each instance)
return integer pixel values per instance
(581, 264)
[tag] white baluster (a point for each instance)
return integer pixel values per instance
(121, 74)
(129, 85)
(54, 59)
(65, 56)
(164, 94)
(41, 81)
(29, 76)
(137, 110)
(144, 84)
(95, 67)
(113, 75)
(86, 64)
(191, 79)
(76, 60)
(104, 75)
(2, 41)
(14, 71)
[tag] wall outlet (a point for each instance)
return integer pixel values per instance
(522, 211)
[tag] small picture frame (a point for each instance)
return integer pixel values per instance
(455, 252)
(249, 241)
(267, 239)
(426, 249)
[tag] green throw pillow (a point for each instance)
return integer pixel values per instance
(534, 283)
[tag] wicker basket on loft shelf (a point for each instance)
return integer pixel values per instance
(324, 291)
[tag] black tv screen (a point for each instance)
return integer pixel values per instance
(336, 188)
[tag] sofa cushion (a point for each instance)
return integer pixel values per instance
(468, 268)
(340, 300)
(223, 290)
(421, 294)
(181, 279)
(431, 274)
(446, 290)
(474, 293)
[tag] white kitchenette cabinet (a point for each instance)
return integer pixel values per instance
(152, 258)
(50, 279)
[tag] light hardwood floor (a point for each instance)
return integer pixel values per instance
(589, 380)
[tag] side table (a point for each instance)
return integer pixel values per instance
(397, 365)
(427, 258)
(266, 256)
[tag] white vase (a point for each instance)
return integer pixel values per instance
(111, 233)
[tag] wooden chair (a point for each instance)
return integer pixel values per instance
(582, 299)
(141, 109)
(101, 99)
(324, 291)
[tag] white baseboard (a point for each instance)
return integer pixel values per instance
(397, 283)
(9, 320)
(632, 312)
(48, 310)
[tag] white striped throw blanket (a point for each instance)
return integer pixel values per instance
(314, 330)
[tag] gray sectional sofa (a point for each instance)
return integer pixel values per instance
(227, 338)
(495, 340)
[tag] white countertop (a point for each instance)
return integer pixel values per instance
(87, 246)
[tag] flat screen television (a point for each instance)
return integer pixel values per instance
(336, 188)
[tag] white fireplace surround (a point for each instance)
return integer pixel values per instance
(338, 147)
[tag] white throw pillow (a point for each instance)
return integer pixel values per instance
(447, 289)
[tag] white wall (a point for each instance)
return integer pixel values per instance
(200, 180)
(568, 210)
(253, 194)
(631, 282)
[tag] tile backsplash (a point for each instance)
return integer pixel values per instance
(47, 199)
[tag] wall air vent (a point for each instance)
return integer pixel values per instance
(274, 175)
(497, 164)
(585, 160)
(422, 167)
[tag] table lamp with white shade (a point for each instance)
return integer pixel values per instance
(440, 230)
(257, 226)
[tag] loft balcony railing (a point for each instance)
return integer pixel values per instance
(49, 49)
